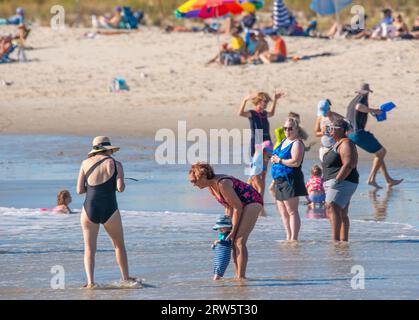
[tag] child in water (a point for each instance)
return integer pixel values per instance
(63, 200)
(260, 132)
(316, 194)
(222, 247)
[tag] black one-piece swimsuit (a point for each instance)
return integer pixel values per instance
(100, 203)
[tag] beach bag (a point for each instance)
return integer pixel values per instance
(118, 84)
(232, 58)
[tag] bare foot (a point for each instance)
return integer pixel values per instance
(240, 279)
(393, 183)
(90, 286)
(374, 184)
(216, 277)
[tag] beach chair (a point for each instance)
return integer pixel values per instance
(5, 58)
(129, 21)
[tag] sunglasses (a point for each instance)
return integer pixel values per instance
(288, 128)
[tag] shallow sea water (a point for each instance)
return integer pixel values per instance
(167, 226)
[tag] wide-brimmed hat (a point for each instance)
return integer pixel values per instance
(365, 89)
(222, 222)
(323, 107)
(100, 144)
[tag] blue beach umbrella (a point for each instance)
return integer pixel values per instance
(329, 7)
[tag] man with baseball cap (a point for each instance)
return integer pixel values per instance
(357, 113)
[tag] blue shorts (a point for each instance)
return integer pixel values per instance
(317, 198)
(365, 140)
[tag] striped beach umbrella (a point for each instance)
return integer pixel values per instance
(280, 15)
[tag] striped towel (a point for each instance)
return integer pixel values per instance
(280, 15)
(222, 257)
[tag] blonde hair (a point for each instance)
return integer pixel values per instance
(62, 196)
(261, 96)
(295, 120)
(201, 169)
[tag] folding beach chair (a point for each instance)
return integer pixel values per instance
(5, 58)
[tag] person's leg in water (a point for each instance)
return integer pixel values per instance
(390, 181)
(378, 163)
(114, 229)
(257, 182)
(247, 222)
(294, 217)
(334, 213)
(272, 190)
(285, 217)
(344, 229)
(90, 233)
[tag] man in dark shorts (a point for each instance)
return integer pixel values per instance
(357, 113)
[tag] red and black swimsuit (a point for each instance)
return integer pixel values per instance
(246, 193)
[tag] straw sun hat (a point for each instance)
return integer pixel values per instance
(100, 144)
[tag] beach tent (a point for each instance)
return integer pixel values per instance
(281, 16)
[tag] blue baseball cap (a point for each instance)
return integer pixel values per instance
(323, 107)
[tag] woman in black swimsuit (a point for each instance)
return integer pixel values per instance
(100, 177)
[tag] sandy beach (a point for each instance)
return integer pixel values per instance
(64, 89)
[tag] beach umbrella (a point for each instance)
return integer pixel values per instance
(281, 17)
(205, 9)
(329, 7)
(251, 5)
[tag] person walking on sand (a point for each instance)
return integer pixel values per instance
(357, 114)
(260, 130)
(100, 177)
(289, 184)
(341, 179)
(242, 204)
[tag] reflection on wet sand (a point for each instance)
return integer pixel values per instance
(380, 206)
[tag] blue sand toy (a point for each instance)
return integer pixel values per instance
(386, 107)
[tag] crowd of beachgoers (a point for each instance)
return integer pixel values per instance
(332, 183)
(248, 39)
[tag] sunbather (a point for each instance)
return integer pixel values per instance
(6, 48)
(279, 54)
(227, 56)
(415, 29)
(262, 47)
(17, 19)
(111, 22)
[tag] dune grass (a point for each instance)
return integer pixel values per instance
(162, 10)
